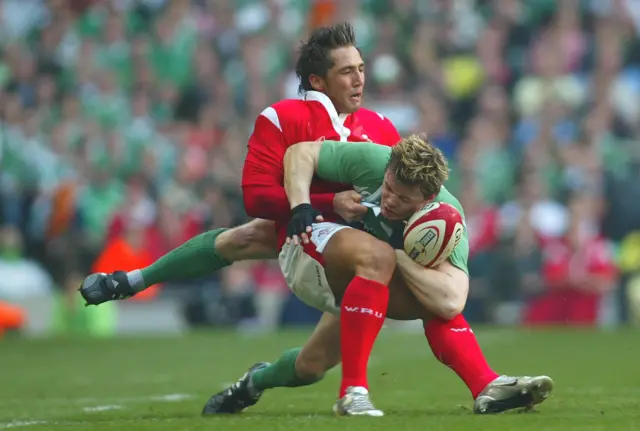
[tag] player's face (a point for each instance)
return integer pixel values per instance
(399, 201)
(344, 82)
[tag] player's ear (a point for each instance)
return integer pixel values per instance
(424, 204)
(317, 83)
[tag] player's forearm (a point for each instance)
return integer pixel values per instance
(435, 290)
(299, 166)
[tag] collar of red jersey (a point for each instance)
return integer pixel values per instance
(324, 100)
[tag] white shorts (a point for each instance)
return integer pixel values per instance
(303, 268)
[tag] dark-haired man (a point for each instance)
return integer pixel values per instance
(331, 73)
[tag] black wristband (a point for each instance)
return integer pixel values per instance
(300, 208)
(303, 217)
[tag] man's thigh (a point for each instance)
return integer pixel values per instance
(403, 305)
(339, 273)
(253, 240)
(321, 287)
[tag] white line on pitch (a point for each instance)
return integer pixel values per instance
(101, 408)
(16, 424)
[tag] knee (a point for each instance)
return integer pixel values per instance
(446, 312)
(376, 261)
(312, 366)
(238, 238)
(450, 310)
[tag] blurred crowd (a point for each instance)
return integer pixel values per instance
(124, 126)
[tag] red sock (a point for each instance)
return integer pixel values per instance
(453, 343)
(362, 313)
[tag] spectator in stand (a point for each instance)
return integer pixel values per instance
(578, 269)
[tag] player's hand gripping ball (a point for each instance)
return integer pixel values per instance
(432, 233)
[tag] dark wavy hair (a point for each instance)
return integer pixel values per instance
(315, 53)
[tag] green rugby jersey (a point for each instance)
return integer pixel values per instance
(363, 164)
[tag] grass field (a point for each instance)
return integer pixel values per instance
(161, 383)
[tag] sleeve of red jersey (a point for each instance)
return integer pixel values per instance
(262, 177)
(389, 132)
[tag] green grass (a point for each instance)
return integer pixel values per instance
(54, 380)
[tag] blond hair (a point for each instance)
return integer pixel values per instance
(415, 162)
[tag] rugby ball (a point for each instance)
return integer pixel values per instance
(432, 233)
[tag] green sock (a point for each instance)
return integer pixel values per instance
(280, 374)
(193, 259)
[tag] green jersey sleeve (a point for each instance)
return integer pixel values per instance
(460, 254)
(361, 164)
